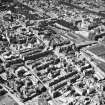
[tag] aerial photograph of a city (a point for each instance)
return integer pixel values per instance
(52, 52)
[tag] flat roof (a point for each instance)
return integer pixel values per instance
(102, 66)
(98, 49)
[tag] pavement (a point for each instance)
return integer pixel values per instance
(13, 96)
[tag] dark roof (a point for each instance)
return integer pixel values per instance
(38, 55)
(13, 62)
(2, 69)
(63, 78)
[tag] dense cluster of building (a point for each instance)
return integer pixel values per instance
(52, 52)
